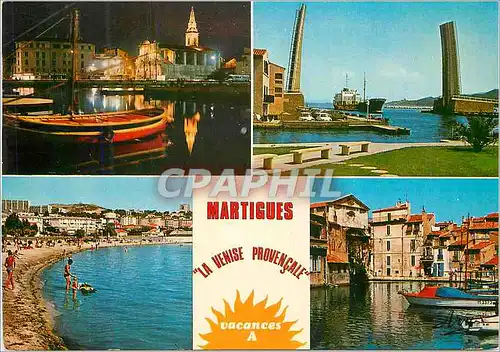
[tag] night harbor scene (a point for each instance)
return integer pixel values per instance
(125, 88)
(405, 264)
(361, 88)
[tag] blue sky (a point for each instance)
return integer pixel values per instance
(449, 199)
(109, 192)
(397, 44)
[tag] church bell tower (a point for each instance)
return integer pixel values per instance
(192, 35)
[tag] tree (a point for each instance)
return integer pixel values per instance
(80, 233)
(13, 223)
(478, 132)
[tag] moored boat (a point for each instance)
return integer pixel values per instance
(27, 105)
(112, 127)
(375, 106)
(481, 325)
(449, 297)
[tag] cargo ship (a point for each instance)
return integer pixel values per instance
(375, 105)
(349, 100)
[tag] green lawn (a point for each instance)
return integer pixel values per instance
(428, 161)
(277, 150)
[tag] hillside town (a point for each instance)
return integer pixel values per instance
(20, 218)
(398, 244)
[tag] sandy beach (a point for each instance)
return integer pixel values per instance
(27, 324)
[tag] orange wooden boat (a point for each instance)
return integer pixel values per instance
(112, 127)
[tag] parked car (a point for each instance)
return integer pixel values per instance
(323, 116)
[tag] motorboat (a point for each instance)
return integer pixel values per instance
(449, 297)
(481, 325)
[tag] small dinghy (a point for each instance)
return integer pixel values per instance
(87, 288)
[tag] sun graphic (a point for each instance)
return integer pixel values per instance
(251, 326)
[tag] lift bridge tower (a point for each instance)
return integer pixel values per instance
(293, 96)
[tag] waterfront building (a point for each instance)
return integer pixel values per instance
(172, 223)
(183, 222)
(111, 63)
(15, 206)
(399, 242)
(318, 270)
(261, 96)
(189, 61)
(347, 238)
(276, 73)
(243, 65)
(51, 57)
(268, 85)
(71, 224)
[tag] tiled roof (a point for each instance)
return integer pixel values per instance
(479, 246)
(397, 207)
(259, 52)
(492, 216)
(492, 261)
(459, 243)
(484, 225)
(332, 258)
(318, 204)
(418, 217)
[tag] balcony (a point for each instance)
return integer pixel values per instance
(440, 257)
(268, 99)
(427, 258)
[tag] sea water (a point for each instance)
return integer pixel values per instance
(376, 316)
(424, 127)
(143, 299)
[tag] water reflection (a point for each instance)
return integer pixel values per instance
(375, 316)
(200, 134)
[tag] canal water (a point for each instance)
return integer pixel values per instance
(424, 127)
(143, 299)
(375, 316)
(217, 140)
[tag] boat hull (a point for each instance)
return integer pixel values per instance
(101, 130)
(346, 107)
(481, 325)
(376, 105)
(439, 302)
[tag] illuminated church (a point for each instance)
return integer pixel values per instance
(190, 61)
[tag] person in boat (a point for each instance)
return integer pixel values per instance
(10, 264)
(67, 273)
(74, 286)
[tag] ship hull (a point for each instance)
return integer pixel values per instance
(345, 107)
(376, 106)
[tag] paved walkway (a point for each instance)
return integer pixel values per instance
(285, 162)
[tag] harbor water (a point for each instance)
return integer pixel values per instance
(143, 299)
(216, 139)
(375, 316)
(424, 127)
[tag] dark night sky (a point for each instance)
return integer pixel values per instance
(222, 25)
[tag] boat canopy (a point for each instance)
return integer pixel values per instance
(451, 292)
